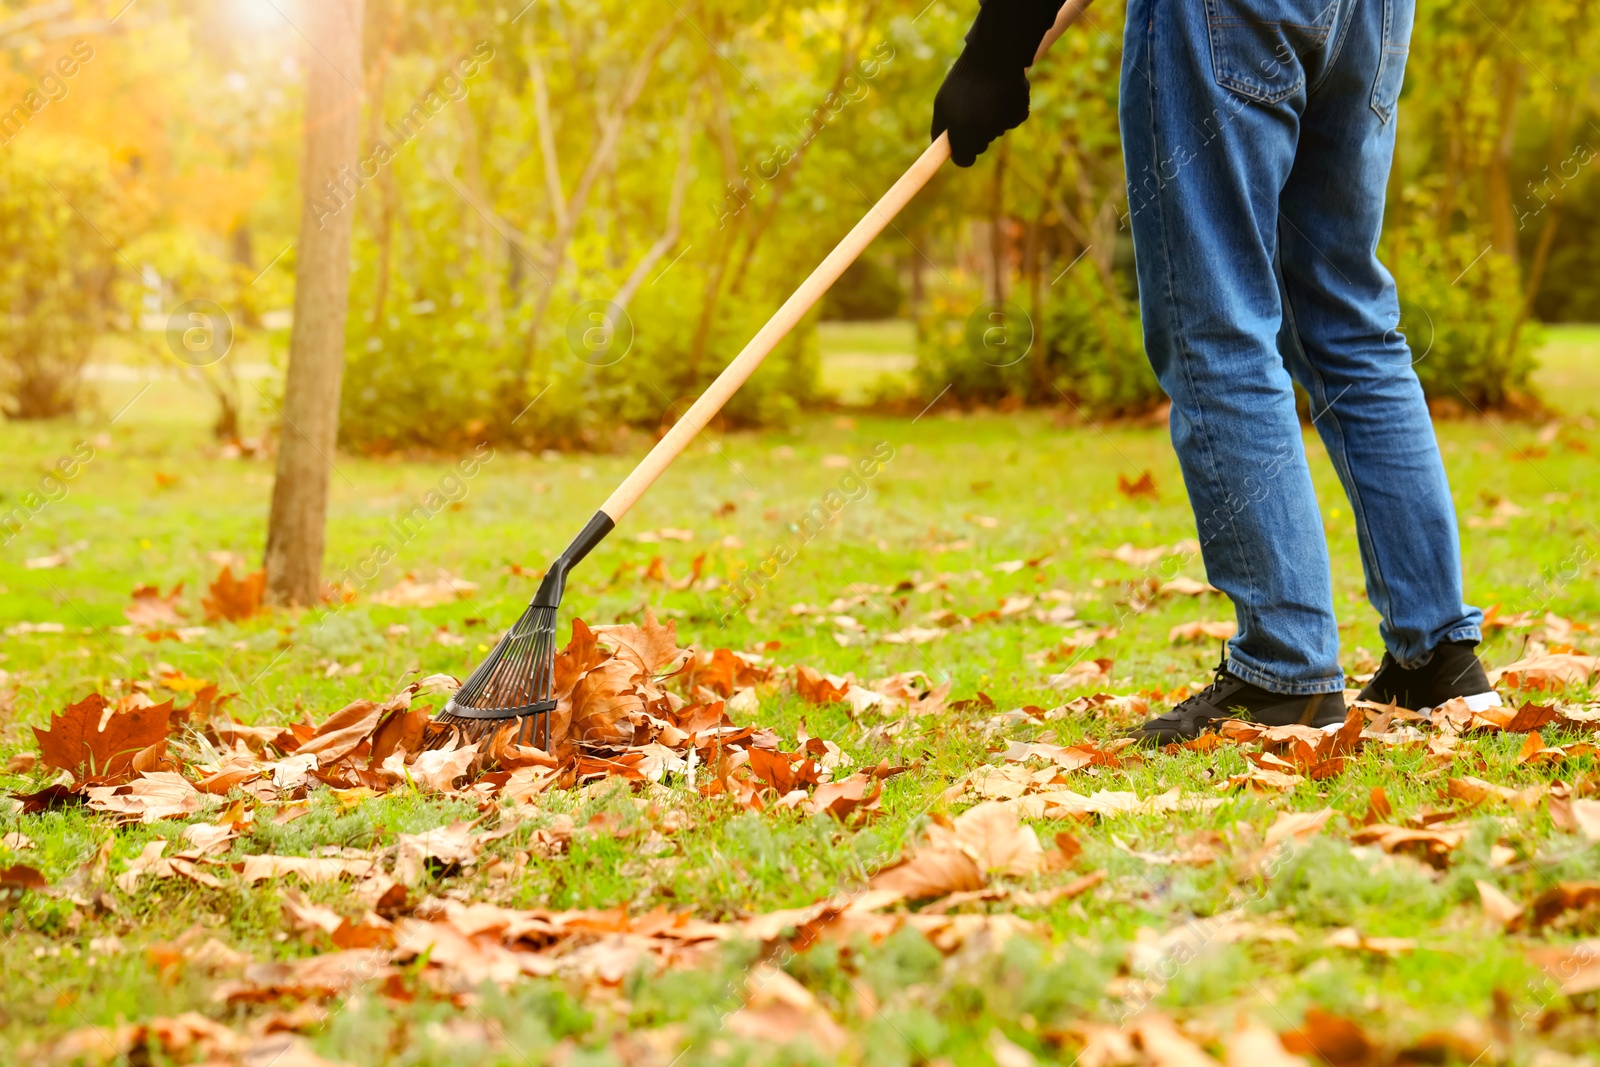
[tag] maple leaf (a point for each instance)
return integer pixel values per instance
(86, 742)
(719, 673)
(234, 599)
(582, 653)
(438, 769)
(650, 646)
(151, 610)
(1142, 486)
(820, 688)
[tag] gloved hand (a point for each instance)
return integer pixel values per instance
(986, 92)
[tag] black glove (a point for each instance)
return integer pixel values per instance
(986, 92)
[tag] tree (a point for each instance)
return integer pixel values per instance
(295, 528)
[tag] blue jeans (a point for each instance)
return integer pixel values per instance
(1258, 136)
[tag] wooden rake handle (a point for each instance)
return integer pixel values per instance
(735, 374)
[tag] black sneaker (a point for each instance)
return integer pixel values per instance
(1452, 671)
(1231, 698)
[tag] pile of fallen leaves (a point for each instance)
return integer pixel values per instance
(632, 705)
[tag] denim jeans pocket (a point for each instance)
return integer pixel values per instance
(1258, 46)
(1397, 18)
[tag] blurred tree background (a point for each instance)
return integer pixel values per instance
(570, 214)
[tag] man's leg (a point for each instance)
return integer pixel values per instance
(1210, 116)
(1343, 345)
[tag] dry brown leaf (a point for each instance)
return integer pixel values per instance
(820, 688)
(1301, 826)
(408, 592)
(234, 599)
(1476, 790)
(1496, 905)
(1575, 966)
(149, 798)
(398, 728)
(448, 846)
(930, 872)
(1143, 486)
(1203, 630)
(20, 876)
(305, 916)
(1337, 1041)
(150, 610)
(1165, 1046)
(1548, 671)
(779, 1011)
(1182, 586)
(92, 741)
(651, 647)
(1254, 1045)
(151, 862)
(1351, 938)
(437, 769)
(1084, 672)
(260, 867)
(602, 701)
(342, 733)
(1559, 898)
(1585, 817)
(1433, 845)
(960, 856)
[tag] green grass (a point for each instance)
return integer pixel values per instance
(861, 360)
(157, 498)
(1569, 367)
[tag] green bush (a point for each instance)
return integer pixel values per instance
(433, 374)
(60, 229)
(1086, 350)
(869, 290)
(1458, 316)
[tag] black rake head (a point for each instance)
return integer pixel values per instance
(516, 681)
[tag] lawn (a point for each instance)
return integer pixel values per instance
(1206, 920)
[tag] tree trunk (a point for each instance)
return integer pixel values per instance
(1497, 175)
(997, 223)
(321, 301)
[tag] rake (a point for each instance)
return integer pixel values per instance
(517, 680)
